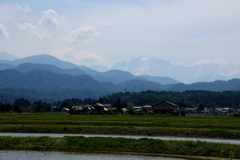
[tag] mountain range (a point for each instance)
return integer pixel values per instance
(202, 72)
(49, 78)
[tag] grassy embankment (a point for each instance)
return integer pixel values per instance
(158, 125)
(107, 144)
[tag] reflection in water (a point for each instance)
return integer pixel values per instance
(52, 155)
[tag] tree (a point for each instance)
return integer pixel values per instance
(119, 106)
(65, 104)
(22, 102)
(131, 111)
(6, 107)
(200, 107)
(100, 100)
(130, 105)
(16, 108)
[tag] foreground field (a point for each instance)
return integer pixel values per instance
(158, 125)
(122, 145)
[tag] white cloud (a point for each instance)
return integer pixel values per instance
(50, 19)
(84, 33)
(3, 31)
(32, 29)
(78, 58)
(213, 61)
(24, 8)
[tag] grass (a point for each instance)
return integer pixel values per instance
(157, 125)
(108, 144)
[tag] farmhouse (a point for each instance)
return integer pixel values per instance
(82, 109)
(137, 108)
(165, 107)
(147, 108)
(64, 110)
(99, 107)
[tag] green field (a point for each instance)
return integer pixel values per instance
(152, 125)
(122, 145)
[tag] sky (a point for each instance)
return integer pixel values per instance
(94, 32)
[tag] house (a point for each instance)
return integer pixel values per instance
(147, 108)
(191, 110)
(182, 110)
(217, 112)
(221, 111)
(205, 111)
(99, 107)
(77, 107)
(89, 107)
(108, 106)
(165, 107)
(64, 110)
(82, 109)
(137, 108)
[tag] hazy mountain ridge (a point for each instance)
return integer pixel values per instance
(137, 85)
(48, 60)
(112, 76)
(27, 67)
(207, 72)
(7, 56)
(47, 81)
(14, 83)
(147, 65)
(5, 66)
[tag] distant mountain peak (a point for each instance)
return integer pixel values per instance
(7, 56)
(146, 58)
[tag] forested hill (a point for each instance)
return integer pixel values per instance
(230, 85)
(59, 86)
(187, 99)
(46, 81)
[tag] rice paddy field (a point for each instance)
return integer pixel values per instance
(151, 125)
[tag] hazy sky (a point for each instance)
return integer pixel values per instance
(87, 32)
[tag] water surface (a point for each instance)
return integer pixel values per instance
(52, 155)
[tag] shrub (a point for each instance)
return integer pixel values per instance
(236, 114)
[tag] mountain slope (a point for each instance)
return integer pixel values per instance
(50, 85)
(41, 59)
(7, 56)
(116, 76)
(139, 85)
(6, 66)
(230, 85)
(160, 80)
(46, 81)
(26, 67)
(200, 72)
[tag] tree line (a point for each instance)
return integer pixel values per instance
(187, 99)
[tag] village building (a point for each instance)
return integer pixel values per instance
(147, 108)
(137, 108)
(108, 106)
(64, 110)
(191, 110)
(99, 107)
(82, 109)
(165, 107)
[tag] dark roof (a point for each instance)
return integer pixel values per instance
(98, 104)
(166, 102)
